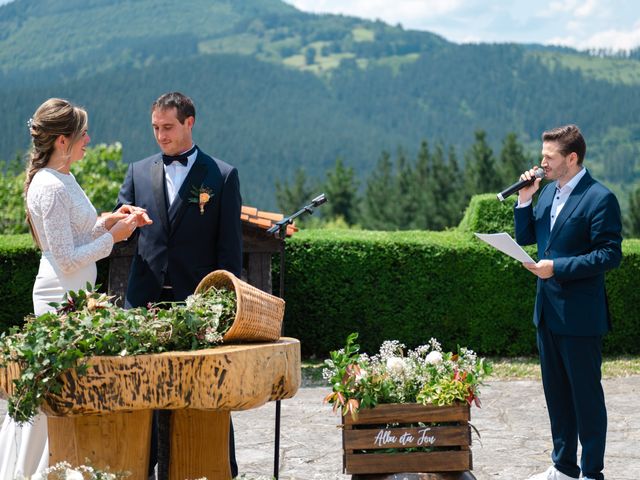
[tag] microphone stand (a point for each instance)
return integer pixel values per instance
(279, 230)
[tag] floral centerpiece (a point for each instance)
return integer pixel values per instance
(424, 375)
(88, 324)
(415, 404)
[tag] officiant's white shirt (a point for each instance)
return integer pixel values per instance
(560, 196)
(175, 173)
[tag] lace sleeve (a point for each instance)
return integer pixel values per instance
(99, 228)
(55, 203)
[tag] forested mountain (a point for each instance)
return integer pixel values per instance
(276, 88)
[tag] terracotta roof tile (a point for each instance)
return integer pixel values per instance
(270, 216)
(263, 220)
(249, 210)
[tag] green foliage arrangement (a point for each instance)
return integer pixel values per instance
(425, 375)
(88, 324)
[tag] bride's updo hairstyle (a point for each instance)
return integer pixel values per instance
(53, 118)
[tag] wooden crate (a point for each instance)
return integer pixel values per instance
(444, 431)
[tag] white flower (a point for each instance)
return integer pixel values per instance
(211, 335)
(192, 300)
(434, 358)
(71, 474)
(395, 365)
(361, 375)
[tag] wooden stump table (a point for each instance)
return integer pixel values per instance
(104, 417)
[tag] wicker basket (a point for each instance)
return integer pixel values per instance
(258, 314)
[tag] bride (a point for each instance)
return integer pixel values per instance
(72, 238)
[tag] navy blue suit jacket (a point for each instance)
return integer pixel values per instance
(182, 245)
(585, 243)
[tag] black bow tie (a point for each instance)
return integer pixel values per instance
(183, 158)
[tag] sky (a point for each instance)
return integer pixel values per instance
(586, 24)
(610, 24)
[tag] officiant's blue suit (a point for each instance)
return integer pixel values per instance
(184, 243)
(572, 315)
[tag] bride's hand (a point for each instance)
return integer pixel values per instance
(123, 229)
(112, 218)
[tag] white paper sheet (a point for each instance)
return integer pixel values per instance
(506, 244)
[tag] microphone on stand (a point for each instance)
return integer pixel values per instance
(516, 187)
(279, 227)
(319, 200)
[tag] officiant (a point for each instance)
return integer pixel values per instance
(577, 226)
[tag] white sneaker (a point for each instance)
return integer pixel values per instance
(551, 474)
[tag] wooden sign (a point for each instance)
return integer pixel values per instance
(395, 438)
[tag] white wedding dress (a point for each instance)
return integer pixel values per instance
(72, 239)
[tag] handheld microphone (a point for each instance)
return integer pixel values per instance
(519, 185)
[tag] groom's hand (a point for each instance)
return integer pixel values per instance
(142, 218)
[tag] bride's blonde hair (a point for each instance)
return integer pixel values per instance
(53, 118)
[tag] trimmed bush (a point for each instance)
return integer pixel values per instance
(408, 286)
(486, 214)
(19, 260)
(412, 286)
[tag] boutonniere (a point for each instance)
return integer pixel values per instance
(201, 196)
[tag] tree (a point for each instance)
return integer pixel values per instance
(422, 194)
(480, 172)
(310, 56)
(13, 211)
(447, 189)
(632, 221)
(291, 198)
(403, 206)
(513, 160)
(380, 195)
(457, 199)
(341, 188)
(100, 174)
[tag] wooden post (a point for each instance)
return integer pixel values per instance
(199, 444)
(119, 441)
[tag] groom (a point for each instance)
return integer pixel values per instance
(194, 202)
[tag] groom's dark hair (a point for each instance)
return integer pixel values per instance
(183, 104)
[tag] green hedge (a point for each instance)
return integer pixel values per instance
(485, 214)
(19, 261)
(408, 286)
(412, 286)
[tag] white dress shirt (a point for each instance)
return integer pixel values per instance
(560, 196)
(175, 173)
